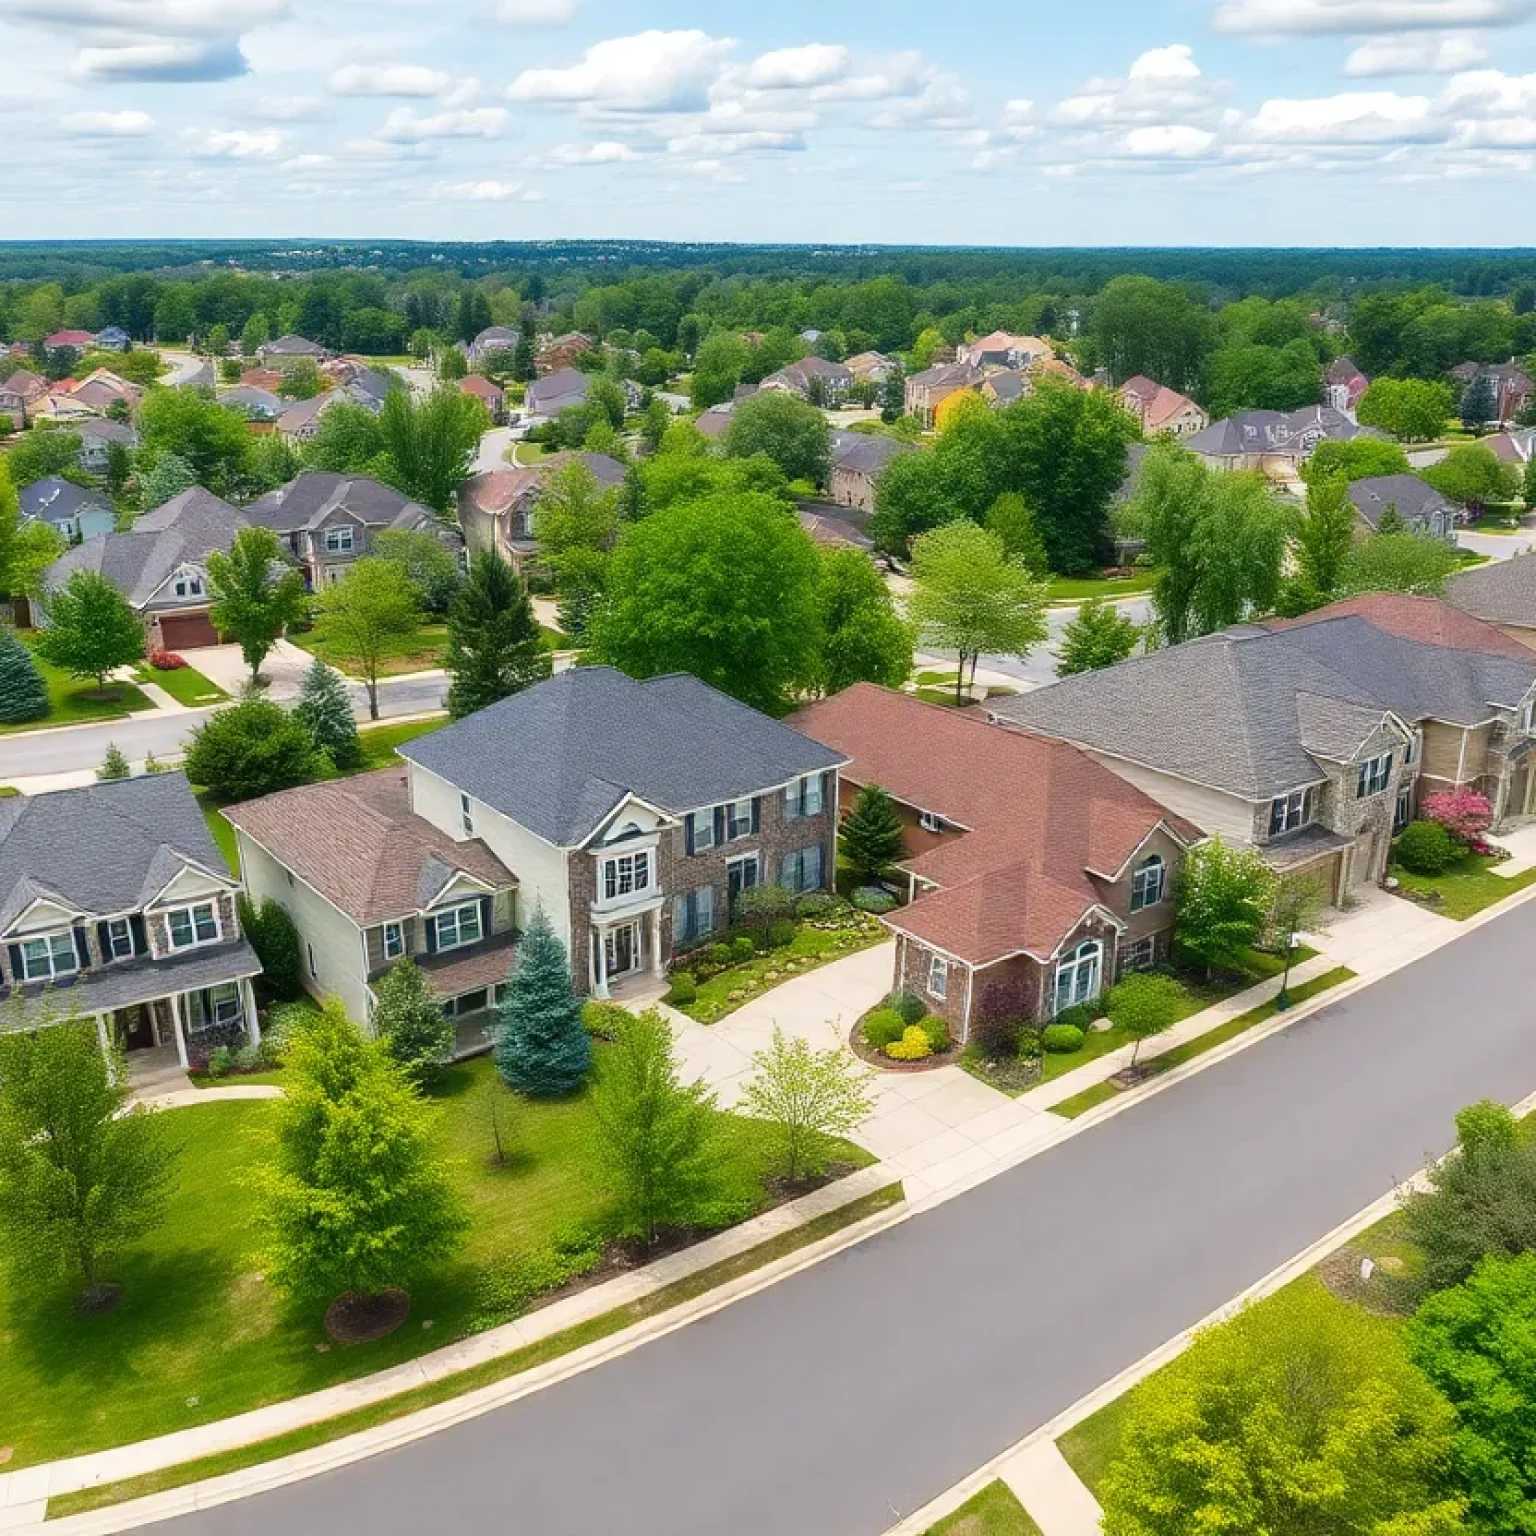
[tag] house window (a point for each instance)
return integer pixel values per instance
(466, 1003)
(190, 926)
(1411, 751)
(701, 830)
(802, 869)
(803, 797)
(938, 976)
(1140, 956)
(338, 541)
(738, 819)
(627, 875)
(394, 941)
(522, 524)
(1148, 883)
(1287, 812)
(1403, 812)
(1078, 975)
(466, 815)
(459, 926)
(187, 584)
(119, 945)
(214, 1006)
(929, 822)
(43, 959)
(693, 915)
(1373, 776)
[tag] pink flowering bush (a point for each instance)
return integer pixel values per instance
(1464, 813)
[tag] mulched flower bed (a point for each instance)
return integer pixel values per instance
(885, 1063)
(1008, 1074)
(354, 1319)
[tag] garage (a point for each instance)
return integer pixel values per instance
(186, 631)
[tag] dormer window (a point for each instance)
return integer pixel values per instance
(339, 541)
(1288, 812)
(48, 957)
(188, 927)
(930, 822)
(187, 583)
(1148, 883)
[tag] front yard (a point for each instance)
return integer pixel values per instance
(992, 1512)
(420, 651)
(71, 702)
(199, 1335)
(1079, 589)
(1464, 890)
(184, 684)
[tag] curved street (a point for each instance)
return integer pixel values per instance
(838, 1400)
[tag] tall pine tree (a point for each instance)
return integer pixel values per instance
(871, 833)
(325, 712)
(411, 1022)
(542, 1047)
(23, 693)
(493, 638)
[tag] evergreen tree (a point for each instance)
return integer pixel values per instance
(1478, 405)
(411, 1022)
(871, 833)
(275, 939)
(524, 369)
(542, 1048)
(325, 712)
(893, 396)
(494, 648)
(1392, 521)
(23, 693)
(114, 765)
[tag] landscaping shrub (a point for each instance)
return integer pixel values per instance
(248, 1059)
(1062, 1039)
(252, 749)
(1427, 848)
(742, 949)
(1081, 1014)
(817, 904)
(272, 934)
(999, 1017)
(600, 1019)
(767, 903)
(909, 1005)
(684, 989)
(883, 1027)
(1464, 813)
(871, 898)
(509, 1289)
(937, 1031)
(23, 693)
(913, 1045)
(722, 955)
(166, 661)
(781, 933)
(221, 1061)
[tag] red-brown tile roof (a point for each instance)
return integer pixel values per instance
(358, 843)
(1038, 816)
(1410, 616)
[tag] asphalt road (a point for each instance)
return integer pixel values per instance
(859, 1389)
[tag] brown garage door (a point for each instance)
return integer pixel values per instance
(186, 631)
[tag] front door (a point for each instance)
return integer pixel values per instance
(622, 949)
(136, 1029)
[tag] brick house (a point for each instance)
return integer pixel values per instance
(1037, 877)
(1160, 409)
(857, 461)
(490, 395)
(116, 905)
(634, 813)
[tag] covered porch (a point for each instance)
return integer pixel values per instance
(625, 946)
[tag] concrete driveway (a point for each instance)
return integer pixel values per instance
(284, 669)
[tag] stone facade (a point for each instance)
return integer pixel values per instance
(159, 937)
(503, 917)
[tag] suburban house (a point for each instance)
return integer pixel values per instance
(1005, 386)
(1420, 506)
(1275, 443)
(840, 528)
(812, 375)
(715, 422)
(1038, 878)
(927, 390)
(857, 460)
(161, 565)
(1501, 593)
(1515, 447)
(1511, 385)
(300, 421)
(288, 350)
(1313, 740)
(366, 881)
(73, 512)
(268, 379)
(77, 339)
(1343, 385)
(253, 403)
(634, 813)
(20, 394)
(872, 367)
(555, 392)
(1002, 350)
(113, 338)
(1160, 409)
(561, 352)
(329, 520)
(96, 433)
(496, 507)
(494, 338)
(115, 904)
(102, 389)
(490, 395)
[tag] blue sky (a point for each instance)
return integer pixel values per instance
(1351, 122)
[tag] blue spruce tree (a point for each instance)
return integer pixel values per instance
(542, 1048)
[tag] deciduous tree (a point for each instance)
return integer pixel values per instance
(256, 595)
(91, 630)
(431, 443)
(787, 430)
(1472, 476)
(864, 640)
(808, 1098)
(1398, 562)
(410, 1021)
(1413, 410)
(213, 440)
(1099, 635)
(1225, 895)
(1145, 1005)
(362, 615)
(253, 748)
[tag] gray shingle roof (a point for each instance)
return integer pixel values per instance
(1226, 710)
(103, 849)
(1416, 501)
(864, 453)
(558, 757)
(1501, 592)
(309, 498)
(142, 981)
(556, 391)
(55, 500)
(1273, 431)
(186, 528)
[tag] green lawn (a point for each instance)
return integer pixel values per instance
(1101, 1093)
(992, 1512)
(71, 702)
(1078, 589)
(420, 651)
(200, 1336)
(1465, 890)
(184, 684)
(525, 454)
(812, 947)
(553, 639)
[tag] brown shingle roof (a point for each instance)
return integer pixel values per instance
(1410, 616)
(1037, 815)
(358, 843)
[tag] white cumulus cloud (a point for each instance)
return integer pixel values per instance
(608, 152)
(165, 59)
(650, 72)
(1168, 141)
(1416, 54)
(388, 80)
(108, 124)
(481, 191)
(1358, 117)
(1280, 17)
(798, 68)
(404, 125)
(1175, 62)
(237, 143)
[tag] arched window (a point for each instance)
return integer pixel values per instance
(1077, 976)
(1148, 883)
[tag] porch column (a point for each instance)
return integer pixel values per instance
(106, 1045)
(252, 1023)
(658, 962)
(181, 1036)
(600, 961)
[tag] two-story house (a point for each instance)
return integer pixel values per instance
(497, 507)
(635, 813)
(1038, 877)
(1276, 443)
(1311, 742)
(328, 520)
(367, 881)
(115, 905)
(75, 512)
(1160, 409)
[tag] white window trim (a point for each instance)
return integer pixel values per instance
(455, 914)
(398, 930)
(1303, 816)
(612, 864)
(190, 910)
(112, 956)
(466, 815)
(1154, 866)
(930, 821)
(54, 968)
(731, 834)
(707, 818)
(335, 544)
(938, 972)
(1072, 963)
(188, 583)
